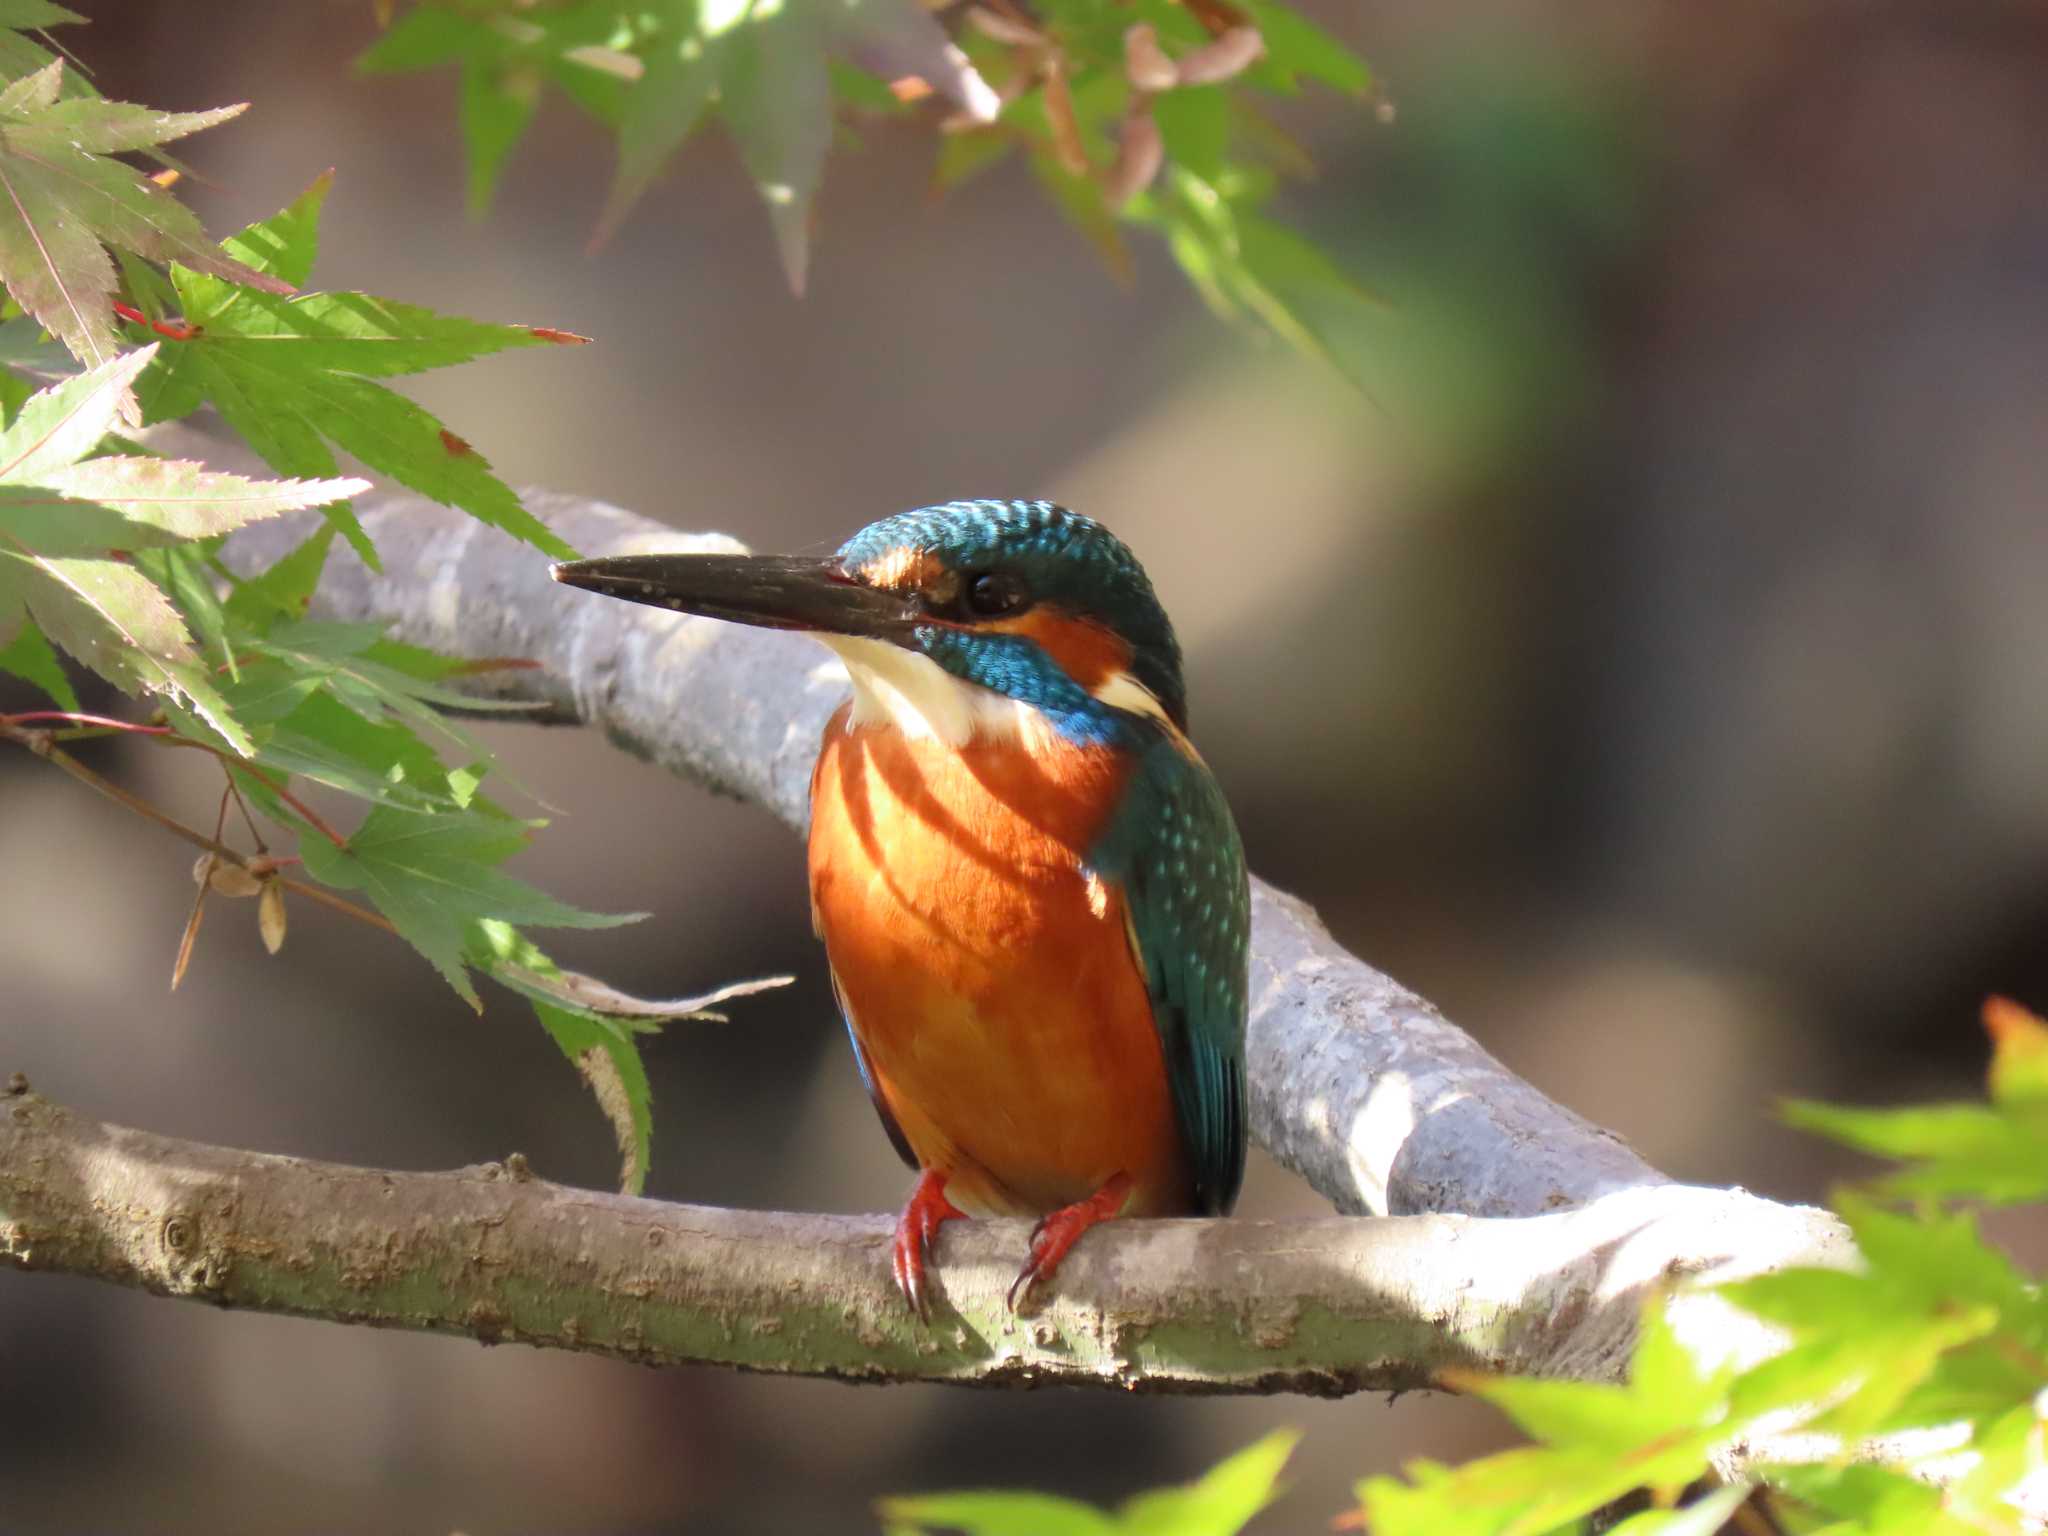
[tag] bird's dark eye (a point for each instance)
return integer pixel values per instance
(994, 593)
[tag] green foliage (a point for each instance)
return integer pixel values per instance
(1936, 1329)
(30, 657)
(435, 875)
(1244, 265)
(1096, 98)
(111, 556)
(1997, 1153)
(291, 373)
(507, 55)
(1222, 1502)
(21, 55)
(69, 527)
(1595, 1444)
(66, 200)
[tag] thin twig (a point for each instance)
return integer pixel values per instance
(312, 818)
(42, 746)
(170, 738)
(255, 836)
(98, 723)
(327, 898)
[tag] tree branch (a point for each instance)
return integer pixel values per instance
(1328, 1307)
(1357, 1084)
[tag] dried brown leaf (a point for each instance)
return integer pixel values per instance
(1066, 129)
(1140, 152)
(1225, 59)
(581, 991)
(1146, 65)
(602, 1073)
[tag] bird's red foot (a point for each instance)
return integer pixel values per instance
(923, 1214)
(1058, 1231)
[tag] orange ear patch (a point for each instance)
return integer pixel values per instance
(1085, 651)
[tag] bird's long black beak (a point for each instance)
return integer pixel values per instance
(772, 591)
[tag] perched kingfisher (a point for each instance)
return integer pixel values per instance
(1030, 888)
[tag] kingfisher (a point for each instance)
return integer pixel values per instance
(1030, 889)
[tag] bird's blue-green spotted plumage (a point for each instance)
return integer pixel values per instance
(1173, 850)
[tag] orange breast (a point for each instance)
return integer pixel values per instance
(990, 981)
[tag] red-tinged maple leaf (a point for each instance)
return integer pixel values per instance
(63, 202)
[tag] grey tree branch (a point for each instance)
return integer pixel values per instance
(1331, 1306)
(1499, 1229)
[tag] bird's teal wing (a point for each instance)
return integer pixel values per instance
(1174, 852)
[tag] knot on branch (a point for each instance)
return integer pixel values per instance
(187, 1262)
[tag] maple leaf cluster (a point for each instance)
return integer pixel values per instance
(125, 315)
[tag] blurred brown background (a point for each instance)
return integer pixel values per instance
(1654, 673)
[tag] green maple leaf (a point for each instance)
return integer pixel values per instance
(294, 374)
(30, 657)
(765, 64)
(1222, 1501)
(1599, 1442)
(595, 1026)
(1297, 49)
(21, 55)
(66, 522)
(63, 202)
(507, 61)
(1244, 265)
(339, 705)
(18, 14)
(1996, 1152)
(435, 878)
(776, 98)
(1219, 1503)
(1936, 1320)
(285, 590)
(762, 64)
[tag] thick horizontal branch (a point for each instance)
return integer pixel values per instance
(1521, 1237)
(1329, 1306)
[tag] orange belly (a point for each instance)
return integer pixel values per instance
(989, 980)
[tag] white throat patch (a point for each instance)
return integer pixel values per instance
(920, 698)
(1122, 691)
(913, 693)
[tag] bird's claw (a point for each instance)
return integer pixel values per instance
(1056, 1232)
(923, 1214)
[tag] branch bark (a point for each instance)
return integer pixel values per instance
(1497, 1228)
(1331, 1306)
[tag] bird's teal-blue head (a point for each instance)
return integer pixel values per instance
(1029, 600)
(1022, 600)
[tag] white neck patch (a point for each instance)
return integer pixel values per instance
(920, 698)
(1122, 691)
(915, 695)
